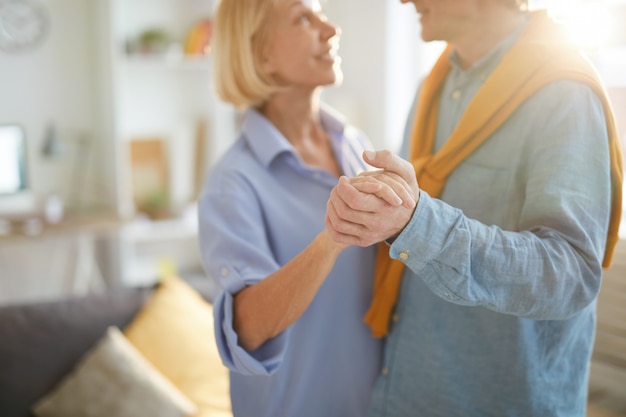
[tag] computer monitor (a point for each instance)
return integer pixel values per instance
(13, 178)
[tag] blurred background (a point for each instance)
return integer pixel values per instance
(108, 125)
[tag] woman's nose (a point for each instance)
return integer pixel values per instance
(331, 30)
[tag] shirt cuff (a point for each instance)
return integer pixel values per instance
(432, 239)
(425, 236)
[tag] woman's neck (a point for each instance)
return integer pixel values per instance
(297, 117)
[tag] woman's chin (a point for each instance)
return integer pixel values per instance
(338, 79)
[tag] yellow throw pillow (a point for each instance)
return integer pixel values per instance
(174, 331)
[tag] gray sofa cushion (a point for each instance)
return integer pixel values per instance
(41, 342)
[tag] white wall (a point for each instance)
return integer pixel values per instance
(383, 59)
(58, 82)
(361, 96)
(53, 83)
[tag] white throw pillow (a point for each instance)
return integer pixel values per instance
(114, 379)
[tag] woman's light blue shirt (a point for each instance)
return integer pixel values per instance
(496, 314)
(260, 207)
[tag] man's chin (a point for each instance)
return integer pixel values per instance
(428, 37)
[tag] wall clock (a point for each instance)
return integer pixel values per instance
(23, 24)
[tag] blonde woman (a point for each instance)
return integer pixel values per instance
(289, 316)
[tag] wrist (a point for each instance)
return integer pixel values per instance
(329, 244)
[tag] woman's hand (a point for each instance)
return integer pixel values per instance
(375, 205)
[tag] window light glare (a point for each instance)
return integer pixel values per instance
(588, 23)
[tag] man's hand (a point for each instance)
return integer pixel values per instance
(375, 205)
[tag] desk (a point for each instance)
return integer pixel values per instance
(88, 253)
(61, 260)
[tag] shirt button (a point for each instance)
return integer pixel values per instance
(404, 255)
(384, 371)
(316, 175)
(456, 94)
(224, 272)
(395, 317)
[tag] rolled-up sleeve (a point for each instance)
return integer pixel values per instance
(235, 253)
(263, 361)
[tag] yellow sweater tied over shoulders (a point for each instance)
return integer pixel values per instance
(541, 55)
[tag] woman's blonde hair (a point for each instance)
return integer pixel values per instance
(520, 4)
(239, 40)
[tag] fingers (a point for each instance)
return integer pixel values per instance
(347, 210)
(357, 218)
(340, 230)
(371, 187)
(345, 227)
(388, 161)
(393, 189)
(375, 205)
(363, 199)
(383, 191)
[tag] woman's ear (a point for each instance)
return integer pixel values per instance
(266, 63)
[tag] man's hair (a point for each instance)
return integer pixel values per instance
(239, 40)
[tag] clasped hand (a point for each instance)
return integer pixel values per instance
(375, 205)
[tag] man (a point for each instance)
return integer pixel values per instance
(489, 304)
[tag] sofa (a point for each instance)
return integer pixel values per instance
(45, 344)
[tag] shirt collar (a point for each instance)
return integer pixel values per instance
(267, 142)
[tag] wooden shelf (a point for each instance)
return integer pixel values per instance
(167, 62)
